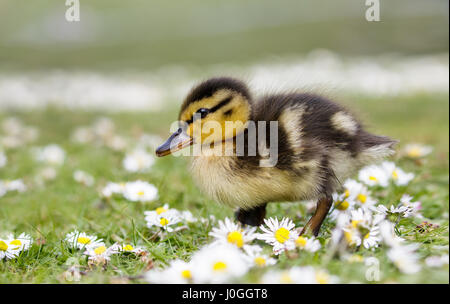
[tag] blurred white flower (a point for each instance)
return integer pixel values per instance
(100, 254)
(400, 177)
(138, 161)
(437, 261)
(164, 220)
(178, 272)
(358, 193)
(113, 188)
(140, 191)
(374, 176)
(298, 275)
(11, 247)
(218, 264)
(51, 154)
(416, 150)
(83, 178)
(254, 257)
(47, 173)
(362, 229)
(405, 258)
(414, 207)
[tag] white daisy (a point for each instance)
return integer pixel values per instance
(81, 240)
(100, 254)
(218, 264)
(437, 261)
(233, 233)
(140, 191)
(138, 161)
(342, 205)
(20, 243)
(374, 176)
(128, 248)
(299, 275)
(394, 213)
(254, 257)
(13, 185)
(414, 207)
(415, 150)
(405, 258)
(83, 178)
(6, 250)
(113, 188)
(187, 216)
(400, 177)
(358, 193)
(281, 235)
(362, 229)
(179, 272)
(309, 244)
(164, 220)
(51, 154)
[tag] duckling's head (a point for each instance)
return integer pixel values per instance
(214, 111)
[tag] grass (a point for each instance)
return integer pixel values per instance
(49, 212)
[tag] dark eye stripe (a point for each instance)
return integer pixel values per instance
(215, 108)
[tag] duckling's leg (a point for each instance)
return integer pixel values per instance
(314, 223)
(252, 217)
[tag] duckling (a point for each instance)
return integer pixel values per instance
(319, 145)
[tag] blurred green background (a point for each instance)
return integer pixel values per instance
(137, 34)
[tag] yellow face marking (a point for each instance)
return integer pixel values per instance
(214, 128)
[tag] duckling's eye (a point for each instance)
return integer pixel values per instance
(203, 112)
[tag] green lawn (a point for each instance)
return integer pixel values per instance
(48, 212)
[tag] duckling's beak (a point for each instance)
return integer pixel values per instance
(175, 142)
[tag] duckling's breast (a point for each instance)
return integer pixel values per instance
(225, 180)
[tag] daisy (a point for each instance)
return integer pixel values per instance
(13, 185)
(218, 263)
(400, 177)
(254, 257)
(187, 216)
(128, 248)
(165, 209)
(374, 176)
(342, 205)
(51, 154)
(299, 275)
(388, 235)
(164, 220)
(113, 188)
(83, 178)
(415, 150)
(405, 258)
(100, 254)
(233, 233)
(394, 214)
(138, 161)
(437, 261)
(140, 191)
(179, 272)
(21, 243)
(309, 244)
(81, 240)
(358, 193)
(281, 235)
(6, 250)
(362, 229)
(414, 207)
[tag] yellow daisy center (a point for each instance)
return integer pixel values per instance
(235, 237)
(373, 178)
(367, 235)
(163, 221)
(160, 210)
(99, 250)
(347, 193)
(186, 274)
(322, 278)
(414, 152)
(362, 198)
(83, 240)
(348, 236)
(260, 261)
(128, 248)
(342, 205)
(300, 241)
(140, 193)
(282, 235)
(219, 266)
(394, 174)
(3, 246)
(286, 278)
(355, 223)
(16, 242)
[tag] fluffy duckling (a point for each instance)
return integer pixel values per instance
(319, 144)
